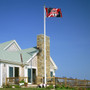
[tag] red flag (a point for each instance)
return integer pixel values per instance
(53, 12)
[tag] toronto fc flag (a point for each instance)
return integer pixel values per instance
(53, 12)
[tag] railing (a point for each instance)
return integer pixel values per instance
(16, 80)
(39, 80)
(63, 81)
(71, 82)
(50, 80)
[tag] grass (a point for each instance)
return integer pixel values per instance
(23, 89)
(37, 89)
(30, 89)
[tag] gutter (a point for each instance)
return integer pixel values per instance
(19, 63)
(10, 62)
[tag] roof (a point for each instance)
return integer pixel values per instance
(14, 56)
(55, 67)
(3, 45)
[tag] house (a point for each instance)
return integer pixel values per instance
(25, 63)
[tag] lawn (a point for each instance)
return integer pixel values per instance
(31, 89)
(37, 89)
(21, 89)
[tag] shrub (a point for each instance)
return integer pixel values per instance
(17, 86)
(50, 87)
(22, 81)
(8, 86)
(25, 83)
(57, 86)
(4, 86)
(62, 87)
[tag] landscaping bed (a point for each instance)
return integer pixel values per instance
(50, 87)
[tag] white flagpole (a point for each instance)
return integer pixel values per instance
(44, 46)
(31, 73)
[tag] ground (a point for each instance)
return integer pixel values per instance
(30, 89)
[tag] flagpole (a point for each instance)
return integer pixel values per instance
(31, 73)
(44, 46)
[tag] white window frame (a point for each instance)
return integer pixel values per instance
(29, 67)
(13, 70)
(1, 74)
(9, 65)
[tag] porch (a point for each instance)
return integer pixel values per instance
(37, 81)
(50, 81)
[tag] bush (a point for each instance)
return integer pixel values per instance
(8, 86)
(4, 86)
(50, 87)
(58, 86)
(25, 83)
(61, 87)
(17, 86)
(22, 81)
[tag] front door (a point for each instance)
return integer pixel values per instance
(33, 75)
(29, 75)
(16, 75)
(16, 71)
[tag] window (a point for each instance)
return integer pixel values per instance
(10, 71)
(51, 74)
(29, 75)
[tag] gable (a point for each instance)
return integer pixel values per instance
(13, 46)
(33, 62)
(52, 64)
(3, 45)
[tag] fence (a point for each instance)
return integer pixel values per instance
(71, 82)
(64, 81)
(51, 80)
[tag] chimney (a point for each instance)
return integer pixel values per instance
(40, 56)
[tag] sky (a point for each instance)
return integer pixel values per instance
(23, 20)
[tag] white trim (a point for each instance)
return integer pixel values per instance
(17, 44)
(26, 67)
(11, 44)
(7, 71)
(13, 69)
(53, 63)
(1, 74)
(52, 70)
(25, 72)
(31, 57)
(31, 67)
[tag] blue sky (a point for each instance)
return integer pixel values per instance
(22, 20)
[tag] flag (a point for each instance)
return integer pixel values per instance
(53, 12)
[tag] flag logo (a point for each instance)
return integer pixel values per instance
(53, 12)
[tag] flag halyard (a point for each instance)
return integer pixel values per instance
(53, 12)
